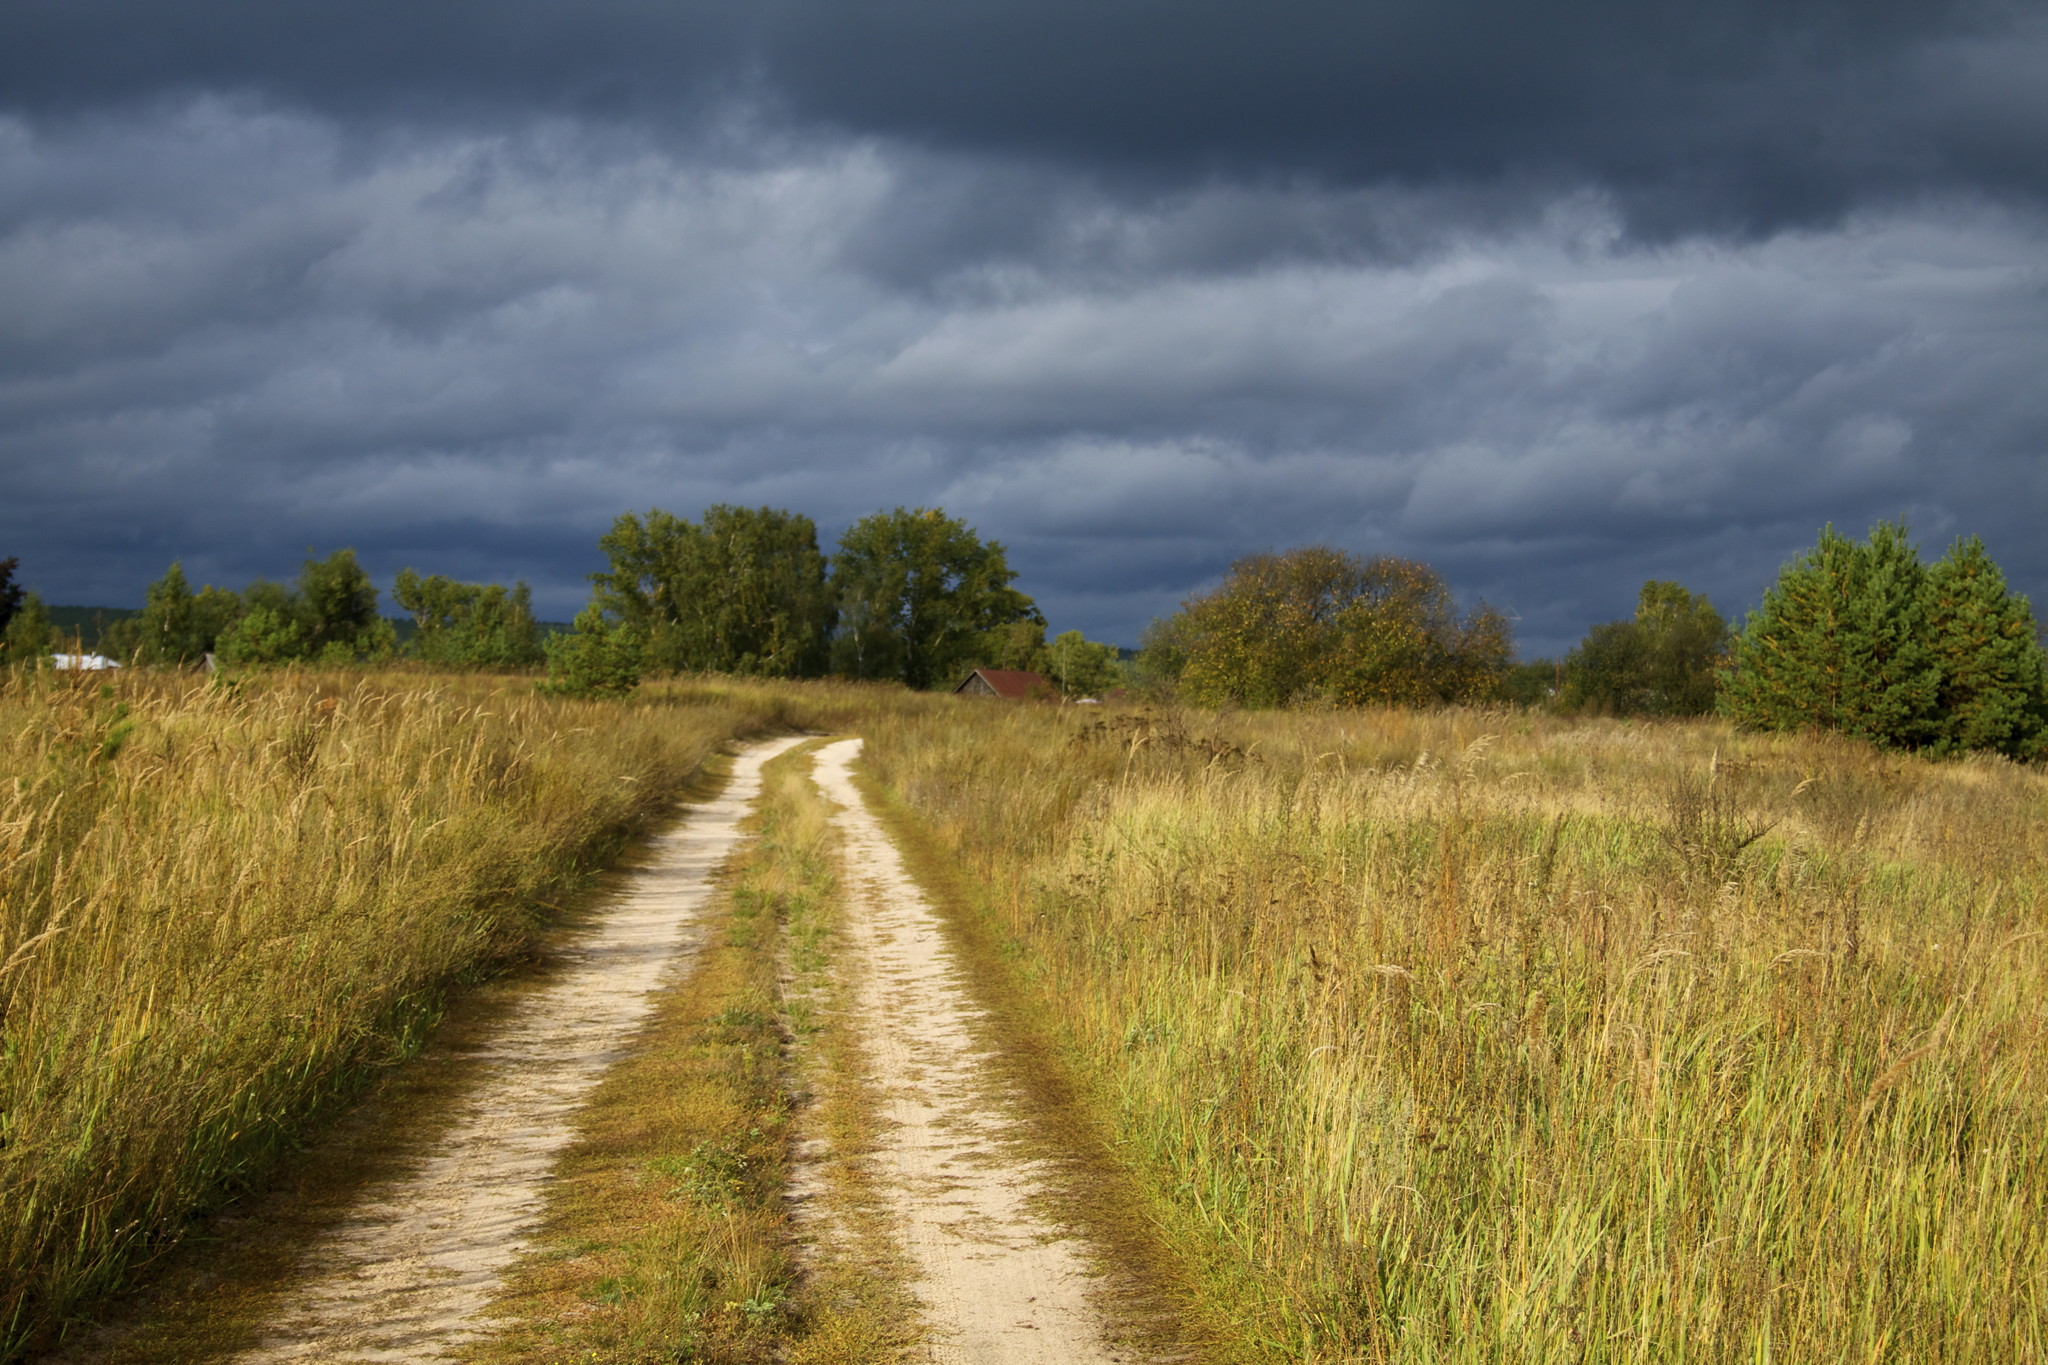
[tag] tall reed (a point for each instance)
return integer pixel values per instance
(1481, 1037)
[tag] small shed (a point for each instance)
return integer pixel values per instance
(1012, 684)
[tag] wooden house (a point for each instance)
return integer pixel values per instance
(1011, 684)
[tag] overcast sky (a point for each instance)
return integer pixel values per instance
(1554, 296)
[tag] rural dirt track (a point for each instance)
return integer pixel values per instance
(407, 1275)
(1000, 1285)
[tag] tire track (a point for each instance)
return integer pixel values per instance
(406, 1277)
(1000, 1284)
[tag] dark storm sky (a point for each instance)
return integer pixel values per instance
(1555, 296)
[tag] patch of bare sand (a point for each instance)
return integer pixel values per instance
(999, 1283)
(406, 1277)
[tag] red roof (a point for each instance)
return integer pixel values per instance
(1014, 683)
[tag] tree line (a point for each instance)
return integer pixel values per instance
(1862, 638)
(909, 595)
(1859, 637)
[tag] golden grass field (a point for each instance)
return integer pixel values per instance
(1457, 1036)
(222, 908)
(1494, 1037)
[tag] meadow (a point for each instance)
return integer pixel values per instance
(223, 908)
(1447, 1036)
(1487, 1036)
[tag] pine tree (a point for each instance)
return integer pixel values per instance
(1994, 678)
(1841, 643)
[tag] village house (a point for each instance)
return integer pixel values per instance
(1012, 684)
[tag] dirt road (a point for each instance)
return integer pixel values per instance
(1000, 1285)
(407, 1275)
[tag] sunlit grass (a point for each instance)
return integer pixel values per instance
(220, 907)
(1477, 1037)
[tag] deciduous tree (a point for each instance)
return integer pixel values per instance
(28, 634)
(742, 591)
(1661, 663)
(470, 625)
(1318, 624)
(919, 592)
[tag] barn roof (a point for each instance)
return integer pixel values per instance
(1014, 683)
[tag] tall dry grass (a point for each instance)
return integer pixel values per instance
(222, 907)
(1482, 1037)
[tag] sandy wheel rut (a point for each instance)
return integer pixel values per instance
(998, 1281)
(407, 1276)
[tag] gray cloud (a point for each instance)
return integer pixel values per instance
(237, 330)
(1739, 117)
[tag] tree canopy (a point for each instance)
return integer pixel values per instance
(1661, 663)
(741, 591)
(1862, 638)
(921, 597)
(469, 625)
(1319, 624)
(12, 594)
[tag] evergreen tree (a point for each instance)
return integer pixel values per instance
(600, 658)
(1841, 643)
(337, 608)
(1994, 679)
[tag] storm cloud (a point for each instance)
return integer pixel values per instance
(1557, 298)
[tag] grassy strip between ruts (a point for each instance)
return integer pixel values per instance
(668, 1236)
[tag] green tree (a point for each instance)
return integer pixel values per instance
(1534, 683)
(28, 635)
(337, 605)
(1662, 663)
(1162, 652)
(1018, 645)
(1993, 692)
(1841, 643)
(177, 625)
(919, 592)
(470, 625)
(600, 658)
(742, 591)
(264, 635)
(1320, 624)
(1080, 667)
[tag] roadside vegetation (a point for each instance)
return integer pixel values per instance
(1489, 1036)
(222, 907)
